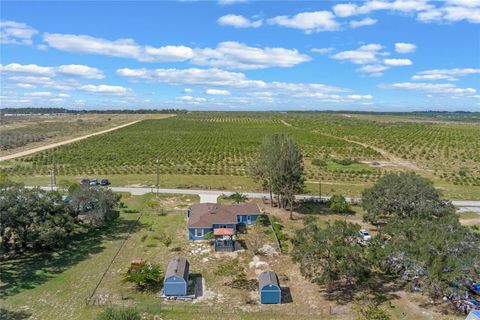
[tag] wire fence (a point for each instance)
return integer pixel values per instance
(90, 300)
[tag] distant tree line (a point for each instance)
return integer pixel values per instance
(32, 219)
(34, 111)
(420, 244)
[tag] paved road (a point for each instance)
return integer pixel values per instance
(210, 195)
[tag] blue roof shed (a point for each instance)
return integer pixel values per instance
(176, 277)
(270, 291)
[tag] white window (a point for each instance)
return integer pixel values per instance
(199, 232)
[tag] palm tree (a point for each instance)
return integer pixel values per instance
(238, 197)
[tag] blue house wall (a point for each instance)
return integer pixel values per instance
(243, 218)
(192, 235)
(175, 286)
(270, 294)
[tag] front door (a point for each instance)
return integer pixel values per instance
(249, 219)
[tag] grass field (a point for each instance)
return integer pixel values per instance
(215, 150)
(55, 285)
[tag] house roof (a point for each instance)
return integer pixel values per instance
(178, 266)
(266, 278)
(204, 215)
(223, 232)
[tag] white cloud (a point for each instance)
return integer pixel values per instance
(187, 90)
(453, 11)
(235, 55)
(27, 69)
(433, 88)
(230, 54)
(191, 99)
(23, 86)
(363, 55)
(238, 21)
(38, 94)
(316, 21)
(223, 82)
(218, 92)
(361, 23)
(397, 62)
(105, 89)
(373, 68)
(227, 2)
(80, 71)
(322, 50)
(403, 47)
(444, 74)
(12, 32)
(125, 48)
(345, 10)
(360, 97)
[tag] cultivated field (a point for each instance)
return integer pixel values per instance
(206, 149)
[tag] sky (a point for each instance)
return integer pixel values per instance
(375, 55)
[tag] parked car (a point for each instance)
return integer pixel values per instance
(93, 182)
(104, 182)
(85, 181)
(365, 235)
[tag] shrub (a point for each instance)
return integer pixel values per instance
(339, 204)
(145, 275)
(319, 163)
(119, 314)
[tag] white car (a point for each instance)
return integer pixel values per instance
(365, 235)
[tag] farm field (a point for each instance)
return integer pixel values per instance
(19, 133)
(55, 285)
(205, 150)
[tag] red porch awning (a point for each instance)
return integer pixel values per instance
(223, 232)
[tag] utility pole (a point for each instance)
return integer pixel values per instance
(320, 190)
(54, 168)
(157, 161)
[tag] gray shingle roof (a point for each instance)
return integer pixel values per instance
(178, 266)
(267, 277)
(203, 215)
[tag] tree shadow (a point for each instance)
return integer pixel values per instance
(13, 315)
(29, 270)
(380, 289)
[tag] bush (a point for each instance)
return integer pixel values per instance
(119, 314)
(339, 204)
(345, 162)
(145, 275)
(319, 163)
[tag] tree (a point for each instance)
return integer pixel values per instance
(279, 167)
(145, 275)
(238, 197)
(93, 205)
(339, 204)
(435, 255)
(330, 254)
(404, 195)
(32, 219)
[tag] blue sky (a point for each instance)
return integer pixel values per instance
(398, 55)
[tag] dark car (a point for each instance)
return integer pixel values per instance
(85, 181)
(104, 182)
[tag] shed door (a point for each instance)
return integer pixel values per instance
(175, 289)
(270, 296)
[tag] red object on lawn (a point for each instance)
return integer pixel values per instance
(223, 232)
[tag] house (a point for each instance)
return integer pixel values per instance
(176, 277)
(220, 221)
(269, 289)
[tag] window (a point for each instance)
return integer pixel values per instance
(199, 232)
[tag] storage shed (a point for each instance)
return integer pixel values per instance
(270, 292)
(176, 277)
